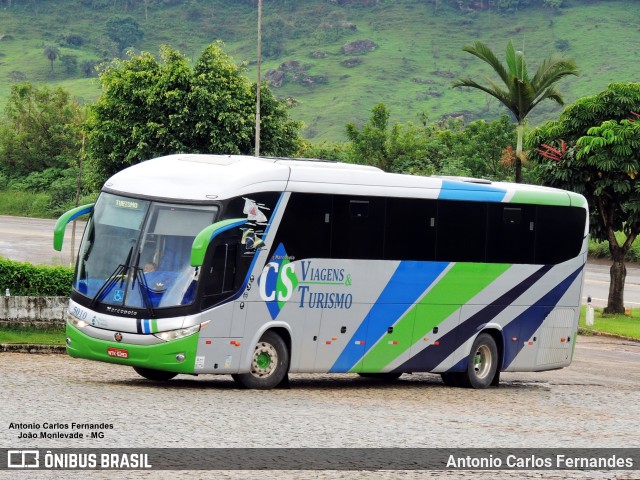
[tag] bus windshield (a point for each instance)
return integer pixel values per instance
(136, 253)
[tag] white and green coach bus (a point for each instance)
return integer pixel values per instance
(256, 267)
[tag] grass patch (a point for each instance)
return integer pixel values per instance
(21, 203)
(627, 325)
(25, 204)
(37, 336)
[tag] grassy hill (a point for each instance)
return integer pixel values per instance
(411, 51)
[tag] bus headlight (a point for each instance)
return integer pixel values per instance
(76, 322)
(176, 334)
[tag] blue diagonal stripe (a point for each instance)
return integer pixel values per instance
(407, 284)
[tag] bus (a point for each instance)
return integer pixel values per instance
(258, 267)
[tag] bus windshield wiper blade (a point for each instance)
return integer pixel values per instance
(109, 282)
(144, 290)
(120, 271)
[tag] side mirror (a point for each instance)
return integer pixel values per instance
(65, 218)
(204, 238)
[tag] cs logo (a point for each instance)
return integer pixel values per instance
(278, 281)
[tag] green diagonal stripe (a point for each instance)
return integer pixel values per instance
(461, 283)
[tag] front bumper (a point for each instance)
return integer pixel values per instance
(161, 356)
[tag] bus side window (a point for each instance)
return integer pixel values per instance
(410, 232)
(305, 230)
(560, 231)
(221, 272)
(462, 228)
(358, 229)
(510, 233)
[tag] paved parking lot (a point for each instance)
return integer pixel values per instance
(593, 403)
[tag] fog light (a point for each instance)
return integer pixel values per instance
(180, 357)
(68, 342)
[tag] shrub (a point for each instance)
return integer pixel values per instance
(601, 249)
(34, 280)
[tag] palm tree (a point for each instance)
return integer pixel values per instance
(52, 53)
(520, 93)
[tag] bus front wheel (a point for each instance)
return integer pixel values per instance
(269, 364)
(157, 375)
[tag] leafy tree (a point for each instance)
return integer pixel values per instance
(445, 147)
(125, 31)
(480, 147)
(273, 37)
(70, 63)
(594, 149)
(370, 145)
(52, 53)
(88, 67)
(39, 131)
(324, 151)
(521, 93)
(150, 108)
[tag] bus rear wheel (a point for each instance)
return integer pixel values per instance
(157, 375)
(269, 364)
(482, 363)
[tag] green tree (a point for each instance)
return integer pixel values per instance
(70, 63)
(125, 31)
(39, 131)
(445, 147)
(521, 93)
(88, 67)
(52, 53)
(150, 108)
(594, 149)
(370, 144)
(324, 151)
(480, 147)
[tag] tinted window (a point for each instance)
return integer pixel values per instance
(410, 232)
(511, 233)
(339, 226)
(461, 231)
(305, 229)
(358, 227)
(559, 233)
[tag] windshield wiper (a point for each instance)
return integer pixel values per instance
(144, 290)
(119, 273)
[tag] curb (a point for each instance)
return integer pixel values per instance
(595, 333)
(32, 348)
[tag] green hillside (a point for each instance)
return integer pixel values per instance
(412, 49)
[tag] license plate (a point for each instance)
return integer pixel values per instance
(118, 352)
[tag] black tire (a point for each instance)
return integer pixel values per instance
(269, 364)
(156, 375)
(482, 363)
(382, 376)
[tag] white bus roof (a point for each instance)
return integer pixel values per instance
(201, 178)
